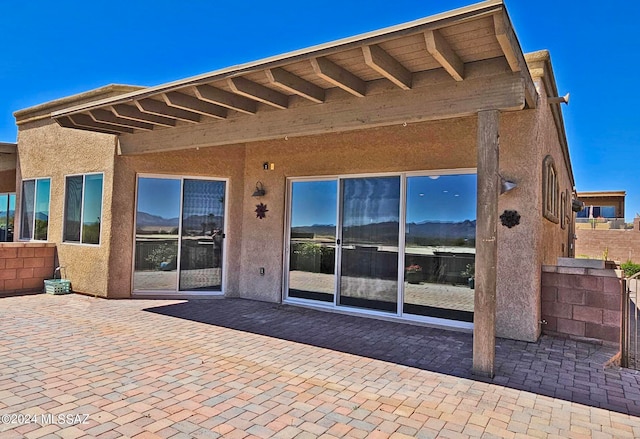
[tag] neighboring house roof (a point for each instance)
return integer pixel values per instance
(400, 56)
(602, 194)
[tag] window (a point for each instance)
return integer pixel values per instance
(83, 208)
(563, 210)
(550, 190)
(7, 211)
(34, 216)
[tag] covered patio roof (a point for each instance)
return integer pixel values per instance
(448, 65)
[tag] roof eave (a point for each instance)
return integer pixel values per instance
(456, 15)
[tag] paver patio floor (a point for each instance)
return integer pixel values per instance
(236, 368)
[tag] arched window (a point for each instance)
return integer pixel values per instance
(550, 190)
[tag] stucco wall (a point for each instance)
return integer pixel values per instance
(526, 137)
(47, 150)
(8, 172)
(620, 245)
(214, 162)
(8, 180)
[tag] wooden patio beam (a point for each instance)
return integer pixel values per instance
(339, 77)
(438, 47)
(108, 117)
(226, 99)
(383, 63)
(513, 54)
(294, 84)
(132, 113)
(84, 120)
(161, 109)
(189, 103)
(260, 93)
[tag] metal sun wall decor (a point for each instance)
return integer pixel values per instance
(261, 210)
(510, 218)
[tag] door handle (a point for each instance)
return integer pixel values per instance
(337, 242)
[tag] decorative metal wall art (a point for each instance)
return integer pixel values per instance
(510, 218)
(261, 210)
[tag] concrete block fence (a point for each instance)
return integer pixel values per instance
(25, 265)
(582, 303)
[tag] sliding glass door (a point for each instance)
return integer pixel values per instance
(179, 234)
(369, 251)
(440, 241)
(312, 243)
(400, 244)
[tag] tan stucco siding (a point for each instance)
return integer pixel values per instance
(214, 162)
(555, 240)
(518, 280)
(47, 150)
(525, 139)
(8, 180)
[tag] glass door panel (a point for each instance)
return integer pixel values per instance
(369, 251)
(7, 209)
(312, 244)
(440, 233)
(157, 228)
(202, 235)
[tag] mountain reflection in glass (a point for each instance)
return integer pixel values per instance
(157, 225)
(440, 234)
(370, 227)
(313, 240)
(202, 234)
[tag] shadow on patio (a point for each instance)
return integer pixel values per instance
(555, 367)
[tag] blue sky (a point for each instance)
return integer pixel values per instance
(55, 49)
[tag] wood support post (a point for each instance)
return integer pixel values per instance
(484, 320)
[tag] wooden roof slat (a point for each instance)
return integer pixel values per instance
(226, 99)
(338, 76)
(294, 84)
(84, 120)
(442, 52)
(387, 66)
(260, 93)
(161, 109)
(506, 40)
(133, 113)
(108, 117)
(185, 102)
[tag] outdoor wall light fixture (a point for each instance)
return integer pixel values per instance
(259, 192)
(506, 185)
(577, 205)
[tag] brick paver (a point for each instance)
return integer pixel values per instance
(235, 368)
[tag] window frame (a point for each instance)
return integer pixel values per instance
(82, 203)
(35, 200)
(8, 207)
(550, 190)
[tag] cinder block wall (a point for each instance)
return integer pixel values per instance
(24, 266)
(621, 245)
(582, 303)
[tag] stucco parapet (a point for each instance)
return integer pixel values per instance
(43, 111)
